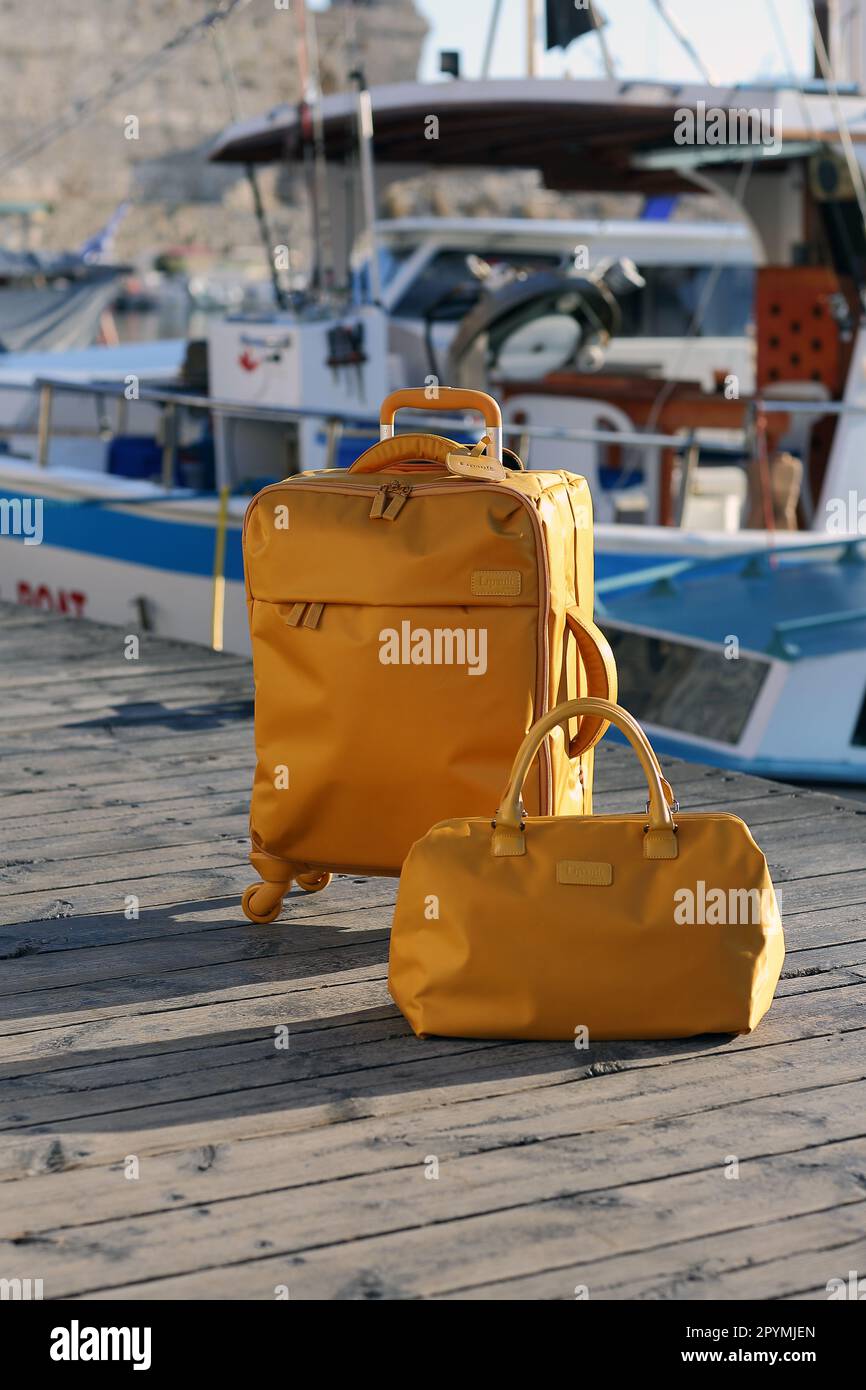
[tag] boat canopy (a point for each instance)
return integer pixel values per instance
(583, 135)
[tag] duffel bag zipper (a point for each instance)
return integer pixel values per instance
(310, 484)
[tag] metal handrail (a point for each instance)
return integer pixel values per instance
(349, 420)
(779, 643)
(282, 414)
(774, 406)
(820, 620)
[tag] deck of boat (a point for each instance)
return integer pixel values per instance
(157, 1142)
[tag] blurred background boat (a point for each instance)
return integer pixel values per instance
(50, 301)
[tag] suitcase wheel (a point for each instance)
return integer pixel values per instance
(262, 902)
(313, 882)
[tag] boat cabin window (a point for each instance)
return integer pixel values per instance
(667, 304)
(390, 260)
(685, 688)
(447, 289)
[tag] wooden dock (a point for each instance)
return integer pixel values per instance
(158, 1143)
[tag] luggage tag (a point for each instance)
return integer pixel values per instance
(474, 463)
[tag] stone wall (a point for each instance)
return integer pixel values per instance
(55, 55)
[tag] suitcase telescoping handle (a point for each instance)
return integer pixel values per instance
(448, 399)
(509, 821)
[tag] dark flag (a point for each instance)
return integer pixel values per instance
(568, 20)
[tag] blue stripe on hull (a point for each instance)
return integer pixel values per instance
(102, 530)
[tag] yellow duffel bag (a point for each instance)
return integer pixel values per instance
(659, 925)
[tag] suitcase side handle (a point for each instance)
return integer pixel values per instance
(601, 678)
(509, 823)
(447, 398)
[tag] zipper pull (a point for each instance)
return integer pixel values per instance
(400, 494)
(379, 501)
(291, 615)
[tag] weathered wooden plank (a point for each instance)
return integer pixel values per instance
(509, 1090)
(122, 867)
(168, 794)
(700, 1269)
(345, 895)
(80, 668)
(197, 886)
(209, 700)
(80, 763)
(155, 823)
(836, 844)
(234, 946)
(107, 735)
(125, 771)
(521, 1206)
(629, 1096)
(795, 1255)
(38, 869)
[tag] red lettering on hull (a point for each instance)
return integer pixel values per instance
(67, 601)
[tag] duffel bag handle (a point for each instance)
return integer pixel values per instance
(508, 825)
(447, 398)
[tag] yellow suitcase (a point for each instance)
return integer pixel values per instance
(411, 617)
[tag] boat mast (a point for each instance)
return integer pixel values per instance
(313, 133)
(531, 19)
(368, 180)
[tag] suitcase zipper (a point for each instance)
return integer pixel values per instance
(291, 614)
(313, 614)
(389, 501)
(434, 486)
(300, 614)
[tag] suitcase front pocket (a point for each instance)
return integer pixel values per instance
(374, 722)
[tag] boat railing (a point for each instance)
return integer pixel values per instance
(780, 643)
(776, 406)
(338, 424)
(358, 423)
(341, 424)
